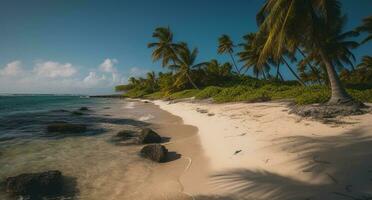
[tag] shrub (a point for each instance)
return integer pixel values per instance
(184, 94)
(313, 95)
(208, 92)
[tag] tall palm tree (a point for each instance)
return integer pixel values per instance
(288, 24)
(184, 65)
(366, 27)
(226, 46)
(164, 49)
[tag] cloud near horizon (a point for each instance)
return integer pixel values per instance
(54, 77)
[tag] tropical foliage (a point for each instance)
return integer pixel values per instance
(308, 34)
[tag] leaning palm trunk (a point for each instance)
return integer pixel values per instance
(339, 94)
(191, 81)
(294, 73)
(236, 67)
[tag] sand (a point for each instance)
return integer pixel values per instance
(259, 151)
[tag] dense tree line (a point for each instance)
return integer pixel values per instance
(305, 36)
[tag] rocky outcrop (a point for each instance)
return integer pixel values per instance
(147, 136)
(155, 152)
(325, 111)
(35, 184)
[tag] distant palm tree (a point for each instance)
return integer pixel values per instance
(366, 63)
(226, 45)
(215, 68)
(288, 24)
(133, 81)
(164, 48)
(151, 79)
(184, 65)
(366, 27)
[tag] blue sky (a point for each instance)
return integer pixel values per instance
(81, 46)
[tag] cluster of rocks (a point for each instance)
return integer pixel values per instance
(324, 111)
(152, 149)
(36, 185)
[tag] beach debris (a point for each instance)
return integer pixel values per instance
(147, 136)
(83, 108)
(200, 110)
(155, 152)
(35, 184)
(237, 151)
(210, 114)
(64, 127)
(146, 102)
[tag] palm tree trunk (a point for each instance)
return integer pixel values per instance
(281, 77)
(191, 81)
(339, 94)
(311, 66)
(264, 74)
(233, 60)
(277, 71)
(294, 73)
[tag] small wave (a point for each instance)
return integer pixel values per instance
(146, 117)
(129, 105)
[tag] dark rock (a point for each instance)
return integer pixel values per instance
(147, 136)
(63, 127)
(126, 135)
(35, 184)
(84, 108)
(77, 113)
(146, 102)
(155, 152)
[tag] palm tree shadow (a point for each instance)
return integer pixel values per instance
(343, 163)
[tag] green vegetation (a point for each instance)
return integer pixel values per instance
(292, 35)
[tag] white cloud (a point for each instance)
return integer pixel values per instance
(94, 80)
(12, 69)
(108, 65)
(137, 71)
(54, 69)
(56, 77)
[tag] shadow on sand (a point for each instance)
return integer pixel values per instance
(342, 162)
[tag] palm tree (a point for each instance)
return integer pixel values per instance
(151, 79)
(215, 68)
(226, 45)
(288, 24)
(249, 55)
(366, 27)
(366, 63)
(184, 65)
(133, 81)
(164, 48)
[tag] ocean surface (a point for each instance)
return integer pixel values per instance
(94, 166)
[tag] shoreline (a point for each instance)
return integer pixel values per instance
(247, 143)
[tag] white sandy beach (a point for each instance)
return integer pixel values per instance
(259, 151)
